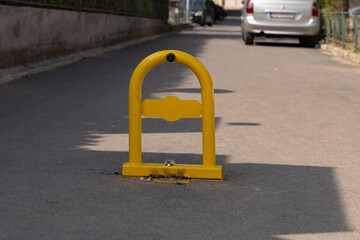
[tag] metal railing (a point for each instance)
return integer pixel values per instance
(343, 30)
(141, 8)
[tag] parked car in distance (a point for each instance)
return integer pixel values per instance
(202, 12)
(220, 13)
(277, 18)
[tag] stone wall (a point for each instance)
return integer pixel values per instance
(31, 34)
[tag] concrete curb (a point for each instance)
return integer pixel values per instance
(355, 58)
(10, 74)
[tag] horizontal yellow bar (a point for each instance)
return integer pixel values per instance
(186, 170)
(171, 108)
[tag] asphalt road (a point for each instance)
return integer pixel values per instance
(287, 134)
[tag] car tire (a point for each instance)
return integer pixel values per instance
(310, 42)
(248, 38)
(209, 24)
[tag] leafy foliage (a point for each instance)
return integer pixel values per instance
(332, 5)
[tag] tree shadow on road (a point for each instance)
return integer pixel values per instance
(52, 187)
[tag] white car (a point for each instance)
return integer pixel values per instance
(288, 18)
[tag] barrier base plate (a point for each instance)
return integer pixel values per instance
(186, 170)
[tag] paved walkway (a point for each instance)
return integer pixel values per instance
(287, 132)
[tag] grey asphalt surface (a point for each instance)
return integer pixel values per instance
(287, 133)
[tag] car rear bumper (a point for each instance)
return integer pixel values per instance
(311, 28)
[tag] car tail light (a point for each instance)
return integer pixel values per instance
(249, 7)
(315, 10)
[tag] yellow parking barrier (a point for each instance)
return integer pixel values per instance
(172, 109)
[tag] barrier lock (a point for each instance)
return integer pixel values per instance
(171, 109)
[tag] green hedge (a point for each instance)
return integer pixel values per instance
(332, 5)
(141, 8)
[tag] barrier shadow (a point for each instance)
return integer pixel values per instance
(285, 199)
(255, 201)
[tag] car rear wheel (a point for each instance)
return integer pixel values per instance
(248, 38)
(309, 41)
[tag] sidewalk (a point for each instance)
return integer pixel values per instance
(339, 52)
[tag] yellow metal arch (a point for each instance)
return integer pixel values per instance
(135, 167)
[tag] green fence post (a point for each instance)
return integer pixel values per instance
(327, 26)
(337, 28)
(356, 32)
(343, 30)
(334, 26)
